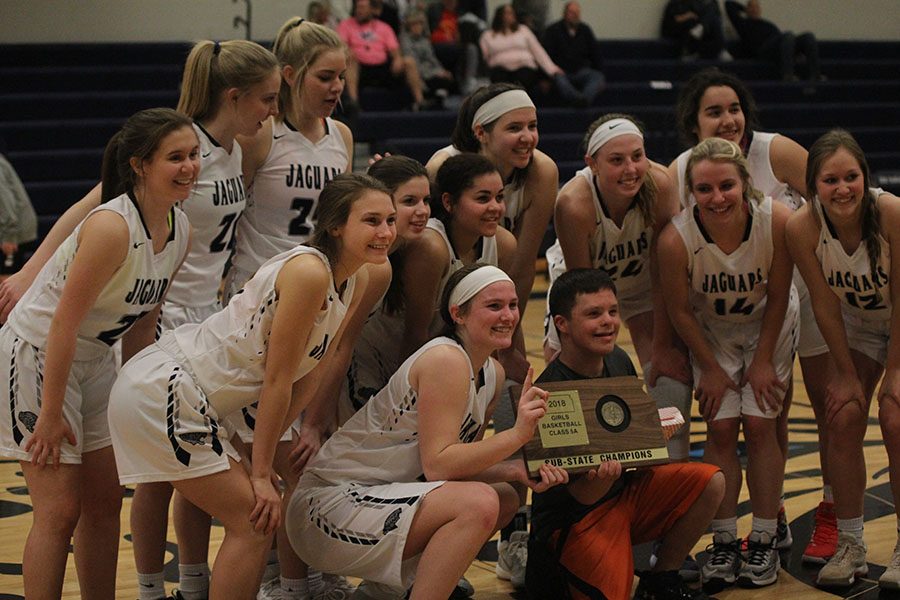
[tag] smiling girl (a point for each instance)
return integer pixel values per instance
(726, 277)
(409, 489)
(714, 103)
(499, 121)
(167, 404)
(105, 282)
(842, 242)
(609, 216)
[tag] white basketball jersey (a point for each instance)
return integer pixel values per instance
(227, 352)
(213, 209)
(850, 277)
(380, 443)
(283, 199)
(513, 197)
(623, 252)
(137, 286)
(488, 254)
(730, 287)
(761, 174)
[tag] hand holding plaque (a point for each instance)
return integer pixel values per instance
(595, 420)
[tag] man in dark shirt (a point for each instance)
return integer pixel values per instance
(763, 39)
(583, 532)
(572, 45)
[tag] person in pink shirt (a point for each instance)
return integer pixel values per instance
(375, 55)
(512, 52)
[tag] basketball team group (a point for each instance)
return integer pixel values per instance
(312, 356)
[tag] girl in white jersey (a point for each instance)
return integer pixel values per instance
(295, 154)
(726, 276)
(361, 357)
(228, 88)
(714, 103)
(608, 216)
(105, 282)
(845, 242)
(287, 163)
(167, 403)
(407, 181)
(499, 121)
(408, 488)
(465, 228)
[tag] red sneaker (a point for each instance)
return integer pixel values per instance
(823, 543)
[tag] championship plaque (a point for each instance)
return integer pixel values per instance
(590, 421)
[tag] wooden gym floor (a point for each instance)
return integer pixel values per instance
(802, 489)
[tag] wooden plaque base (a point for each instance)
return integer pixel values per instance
(594, 420)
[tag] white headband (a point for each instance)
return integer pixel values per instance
(609, 130)
(474, 282)
(499, 105)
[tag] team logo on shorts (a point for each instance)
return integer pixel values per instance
(196, 438)
(29, 419)
(390, 523)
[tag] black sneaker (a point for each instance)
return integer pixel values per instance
(666, 585)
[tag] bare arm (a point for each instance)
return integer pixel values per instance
(102, 247)
(890, 227)
(441, 378)
(761, 373)
(301, 287)
(255, 149)
(574, 222)
(14, 287)
(348, 142)
(540, 196)
(788, 160)
(667, 353)
(426, 262)
(675, 281)
(320, 414)
(844, 386)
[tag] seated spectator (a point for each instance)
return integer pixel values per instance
(532, 13)
(764, 40)
(414, 42)
(572, 45)
(696, 26)
(513, 53)
(18, 222)
(455, 28)
(387, 12)
(320, 13)
(375, 55)
(582, 533)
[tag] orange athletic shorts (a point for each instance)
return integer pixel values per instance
(597, 551)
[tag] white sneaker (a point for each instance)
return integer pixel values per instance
(270, 590)
(723, 562)
(890, 579)
(760, 567)
(334, 587)
(848, 563)
(512, 556)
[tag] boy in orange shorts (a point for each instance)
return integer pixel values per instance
(582, 533)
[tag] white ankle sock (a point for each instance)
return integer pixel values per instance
(193, 581)
(152, 586)
(852, 527)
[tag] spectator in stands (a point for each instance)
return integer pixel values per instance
(763, 39)
(696, 26)
(320, 12)
(387, 12)
(18, 222)
(512, 53)
(532, 13)
(375, 55)
(455, 28)
(572, 45)
(581, 535)
(414, 42)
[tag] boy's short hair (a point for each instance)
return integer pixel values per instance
(565, 290)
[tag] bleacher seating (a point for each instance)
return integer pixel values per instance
(60, 104)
